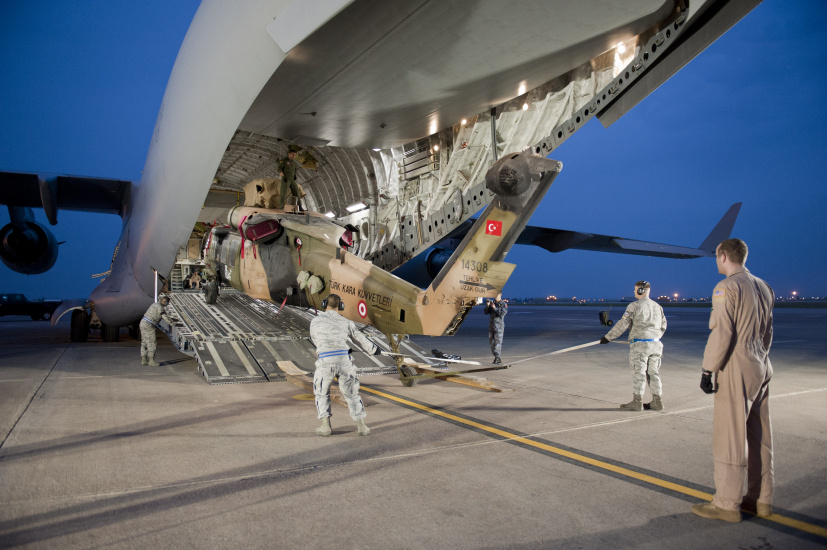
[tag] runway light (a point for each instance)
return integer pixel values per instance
(330, 214)
(356, 207)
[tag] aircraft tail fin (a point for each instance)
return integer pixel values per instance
(722, 230)
(476, 268)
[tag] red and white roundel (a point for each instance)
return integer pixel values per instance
(362, 308)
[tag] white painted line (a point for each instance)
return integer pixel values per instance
(243, 358)
(218, 362)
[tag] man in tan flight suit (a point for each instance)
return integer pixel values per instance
(646, 323)
(737, 355)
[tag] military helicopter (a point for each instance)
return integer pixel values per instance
(263, 252)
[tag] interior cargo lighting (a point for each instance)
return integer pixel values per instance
(621, 47)
(464, 122)
(330, 214)
(436, 148)
(525, 106)
(356, 207)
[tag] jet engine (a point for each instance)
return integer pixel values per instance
(27, 247)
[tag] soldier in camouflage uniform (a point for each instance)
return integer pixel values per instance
(496, 325)
(329, 332)
(150, 320)
(287, 172)
(648, 323)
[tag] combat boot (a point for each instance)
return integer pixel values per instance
(144, 360)
(325, 428)
(497, 360)
(710, 511)
(656, 404)
(760, 509)
(152, 362)
(636, 404)
(362, 427)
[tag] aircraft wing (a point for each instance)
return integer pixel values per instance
(54, 192)
(422, 269)
(557, 240)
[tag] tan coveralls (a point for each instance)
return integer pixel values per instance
(738, 350)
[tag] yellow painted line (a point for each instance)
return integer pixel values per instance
(783, 520)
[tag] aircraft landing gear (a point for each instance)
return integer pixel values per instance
(79, 330)
(211, 292)
(405, 371)
(110, 333)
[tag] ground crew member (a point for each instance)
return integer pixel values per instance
(287, 172)
(148, 324)
(496, 325)
(648, 323)
(329, 332)
(737, 354)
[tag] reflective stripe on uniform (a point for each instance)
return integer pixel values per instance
(325, 354)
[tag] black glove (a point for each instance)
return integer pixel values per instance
(350, 352)
(378, 351)
(604, 340)
(706, 382)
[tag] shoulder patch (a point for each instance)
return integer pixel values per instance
(719, 293)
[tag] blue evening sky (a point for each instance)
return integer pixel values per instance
(744, 121)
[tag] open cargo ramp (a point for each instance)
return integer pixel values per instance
(241, 339)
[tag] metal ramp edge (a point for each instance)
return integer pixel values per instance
(240, 339)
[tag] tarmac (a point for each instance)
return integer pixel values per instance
(97, 451)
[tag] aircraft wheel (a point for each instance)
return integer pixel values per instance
(211, 292)
(79, 329)
(610, 322)
(46, 316)
(135, 330)
(409, 371)
(110, 333)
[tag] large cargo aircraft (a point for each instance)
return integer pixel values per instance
(397, 109)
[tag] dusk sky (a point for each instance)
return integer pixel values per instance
(743, 122)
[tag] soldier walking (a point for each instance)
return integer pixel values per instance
(737, 355)
(648, 323)
(329, 332)
(496, 325)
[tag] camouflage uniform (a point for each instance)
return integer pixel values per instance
(151, 318)
(329, 331)
(738, 351)
(496, 325)
(288, 182)
(645, 351)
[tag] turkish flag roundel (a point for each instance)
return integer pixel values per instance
(493, 227)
